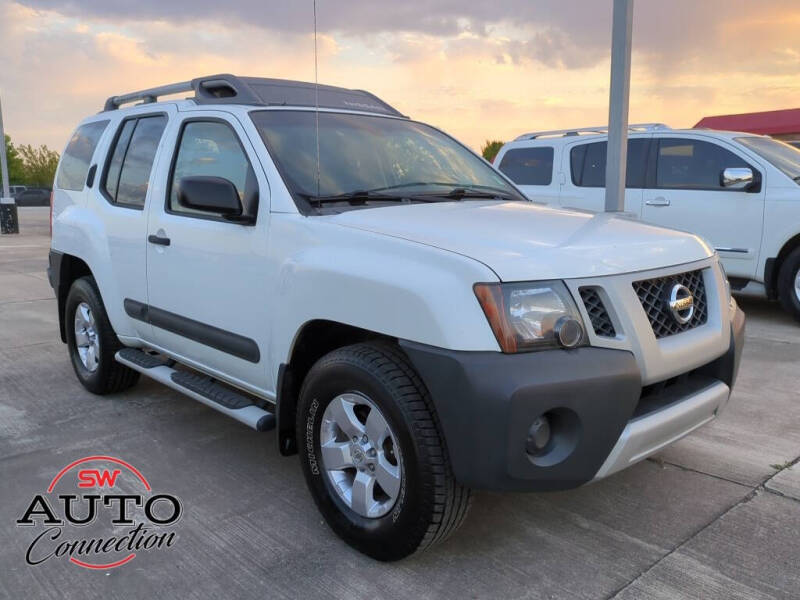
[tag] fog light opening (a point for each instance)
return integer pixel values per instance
(553, 436)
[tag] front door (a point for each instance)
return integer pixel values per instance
(686, 192)
(206, 275)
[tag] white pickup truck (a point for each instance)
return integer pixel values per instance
(737, 190)
(310, 260)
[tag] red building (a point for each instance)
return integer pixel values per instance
(780, 124)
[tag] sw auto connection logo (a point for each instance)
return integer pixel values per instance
(117, 517)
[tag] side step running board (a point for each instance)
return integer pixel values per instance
(199, 387)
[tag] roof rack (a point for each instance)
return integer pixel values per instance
(260, 91)
(632, 128)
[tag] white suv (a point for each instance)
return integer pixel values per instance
(739, 191)
(407, 320)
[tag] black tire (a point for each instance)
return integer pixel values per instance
(109, 376)
(786, 284)
(431, 504)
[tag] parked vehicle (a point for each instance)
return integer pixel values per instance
(405, 318)
(15, 190)
(33, 197)
(739, 191)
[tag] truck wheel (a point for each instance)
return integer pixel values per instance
(789, 284)
(373, 454)
(92, 342)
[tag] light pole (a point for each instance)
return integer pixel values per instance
(619, 94)
(8, 209)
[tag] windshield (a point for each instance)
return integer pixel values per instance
(374, 158)
(783, 156)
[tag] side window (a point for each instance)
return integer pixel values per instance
(78, 156)
(528, 166)
(588, 164)
(693, 164)
(211, 148)
(127, 175)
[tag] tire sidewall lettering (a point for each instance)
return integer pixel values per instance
(311, 455)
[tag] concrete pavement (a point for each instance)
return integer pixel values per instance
(715, 516)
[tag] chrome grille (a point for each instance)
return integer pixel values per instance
(651, 294)
(601, 322)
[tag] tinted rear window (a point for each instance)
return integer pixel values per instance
(128, 173)
(528, 166)
(588, 164)
(78, 155)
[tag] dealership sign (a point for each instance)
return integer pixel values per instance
(99, 512)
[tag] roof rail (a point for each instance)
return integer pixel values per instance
(632, 128)
(147, 96)
(230, 89)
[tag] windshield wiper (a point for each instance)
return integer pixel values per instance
(469, 188)
(364, 196)
(470, 192)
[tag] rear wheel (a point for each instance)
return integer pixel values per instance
(373, 455)
(789, 284)
(92, 342)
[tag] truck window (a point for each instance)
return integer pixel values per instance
(689, 164)
(127, 175)
(588, 164)
(528, 166)
(78, 154)
(211, 148)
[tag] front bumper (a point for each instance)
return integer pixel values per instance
(603, 419)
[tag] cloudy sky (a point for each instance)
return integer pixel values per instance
(488, 69)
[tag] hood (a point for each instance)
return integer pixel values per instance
(523, 241)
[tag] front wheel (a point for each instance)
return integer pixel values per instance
(789, 284)
(373, 454)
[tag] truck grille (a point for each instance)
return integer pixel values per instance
(601, 322)
(651, 294)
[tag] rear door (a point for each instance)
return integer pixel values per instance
(208, 290)
(685, 192)
(584, 164)
(124, 185)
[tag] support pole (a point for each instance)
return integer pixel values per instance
(617, 155)
(8, 209)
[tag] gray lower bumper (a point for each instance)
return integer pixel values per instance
(647, 435)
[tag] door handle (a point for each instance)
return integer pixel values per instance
(658, 201)
(157, 239)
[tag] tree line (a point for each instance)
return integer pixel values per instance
(34, 167)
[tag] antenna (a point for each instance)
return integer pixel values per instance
(316, 91)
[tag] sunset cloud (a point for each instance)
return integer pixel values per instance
(479, 70)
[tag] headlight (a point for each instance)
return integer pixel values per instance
(531, 316)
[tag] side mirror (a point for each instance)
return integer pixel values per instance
(210, 194)
(737, 178)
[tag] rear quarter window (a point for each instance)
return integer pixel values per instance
(528, 166)
(78, 156)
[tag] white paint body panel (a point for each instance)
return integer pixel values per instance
(404, 271)
(757, 225)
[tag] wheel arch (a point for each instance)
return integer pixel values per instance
(313, 340)
(69, 269)
(773, 266)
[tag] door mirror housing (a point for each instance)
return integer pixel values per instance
(737, 178)
(212, 194)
